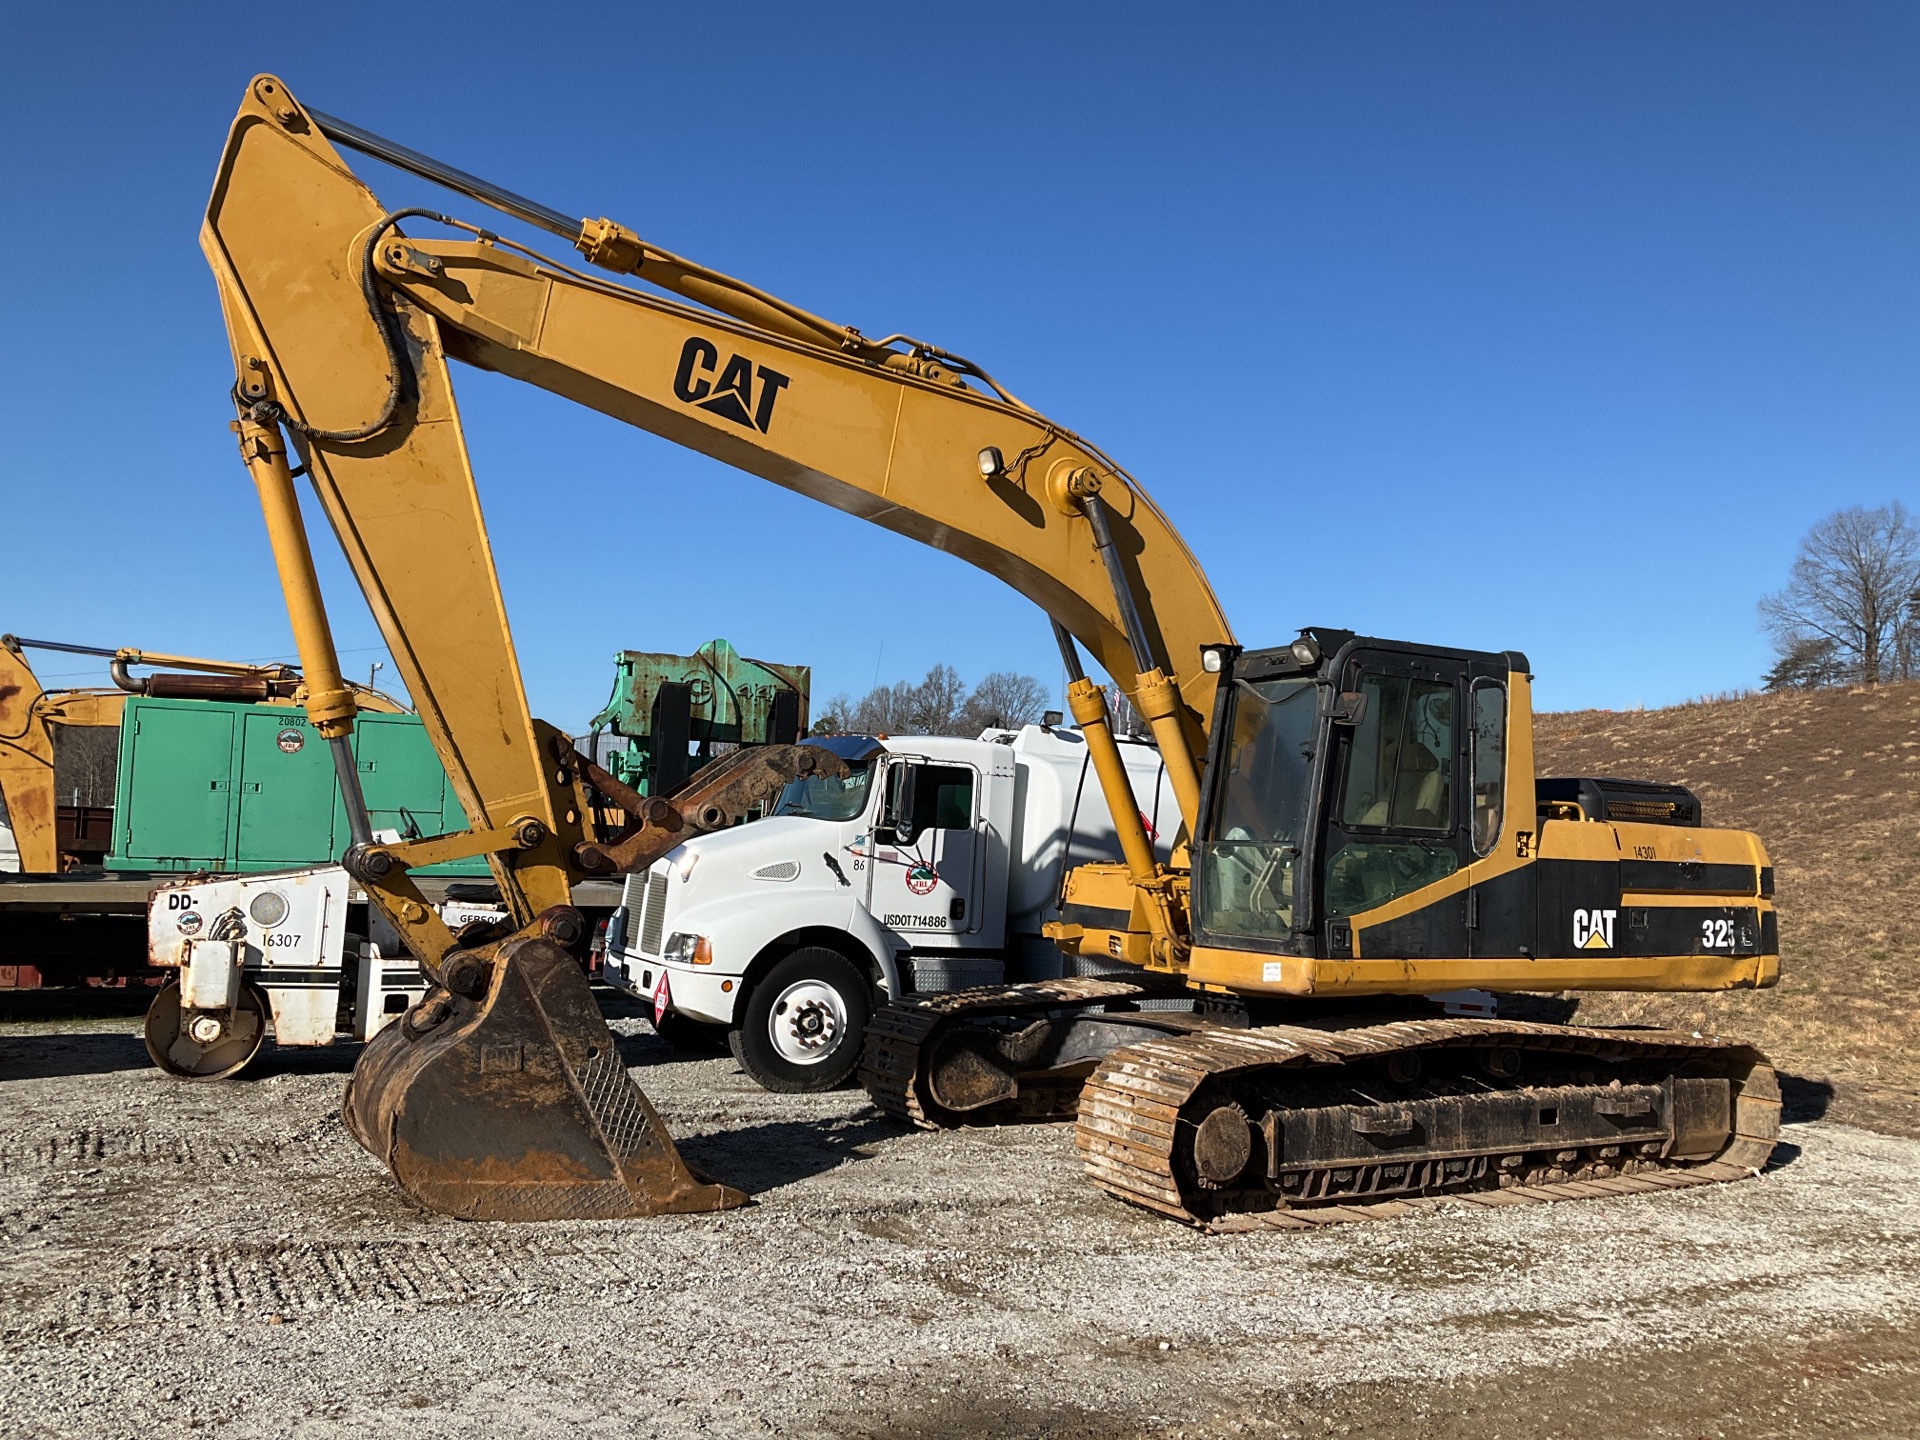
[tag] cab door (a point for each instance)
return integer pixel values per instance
(1396, 821)
(1500, 909)
(926, 849)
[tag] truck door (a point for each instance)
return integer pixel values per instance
(926, 849)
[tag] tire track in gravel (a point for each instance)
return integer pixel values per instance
(288, 1278)
(174, 1282)
(88, 1145)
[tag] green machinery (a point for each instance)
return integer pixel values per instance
(672, 710)
(238, 788)
(210, 785)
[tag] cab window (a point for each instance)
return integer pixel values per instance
(1244, 872)
(1399, 782)
(1400, 765)
(943, 798)
(1489, 762)
(942, 795)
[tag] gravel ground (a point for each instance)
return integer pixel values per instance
(223, 1258)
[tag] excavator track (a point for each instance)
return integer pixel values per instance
(899, 1037)
(1295, 1127)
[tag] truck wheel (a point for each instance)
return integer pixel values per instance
(804, 1023)
(695, 1037)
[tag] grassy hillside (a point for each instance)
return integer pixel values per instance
(1831, 782)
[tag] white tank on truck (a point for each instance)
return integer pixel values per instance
(931, 867)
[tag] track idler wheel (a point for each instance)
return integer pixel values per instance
(513, 1104)
(1221, 1146)
(204, 1044)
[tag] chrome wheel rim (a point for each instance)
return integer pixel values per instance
(807, 1022)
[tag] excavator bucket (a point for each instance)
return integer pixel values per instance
(515, 1105)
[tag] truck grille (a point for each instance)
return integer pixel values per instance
(655, 915)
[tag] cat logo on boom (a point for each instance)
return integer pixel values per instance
(1593, 929)
(739, 390)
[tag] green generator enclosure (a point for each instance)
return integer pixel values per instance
(208, 785)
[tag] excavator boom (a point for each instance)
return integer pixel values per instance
(342, 325)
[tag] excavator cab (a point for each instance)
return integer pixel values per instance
(1371, 823)
(1351, 773)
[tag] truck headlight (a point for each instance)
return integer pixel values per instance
(688, 949)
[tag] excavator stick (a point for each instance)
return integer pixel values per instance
(514, 1104)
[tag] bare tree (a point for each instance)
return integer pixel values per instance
(884, 710)
(835, 717)
(940, 704)
(1003, 698)
(1906, 640)
(1854, 586)
(933, 706)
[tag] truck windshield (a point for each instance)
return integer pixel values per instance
(1244, 870)
(826, 797)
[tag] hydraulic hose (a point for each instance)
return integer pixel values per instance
(399, 371)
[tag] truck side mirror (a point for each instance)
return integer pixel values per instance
(896, 815)
(1350, 708)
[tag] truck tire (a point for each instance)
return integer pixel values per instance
(693, 1037)
(804, 1022)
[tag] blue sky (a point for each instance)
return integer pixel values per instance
(1498, 325)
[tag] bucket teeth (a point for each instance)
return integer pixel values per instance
(516, 1106)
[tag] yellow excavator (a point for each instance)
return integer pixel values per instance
(30, 713)
(1362, 828)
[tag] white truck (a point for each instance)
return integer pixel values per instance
(931, 867)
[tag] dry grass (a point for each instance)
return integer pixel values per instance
(1831, 782)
